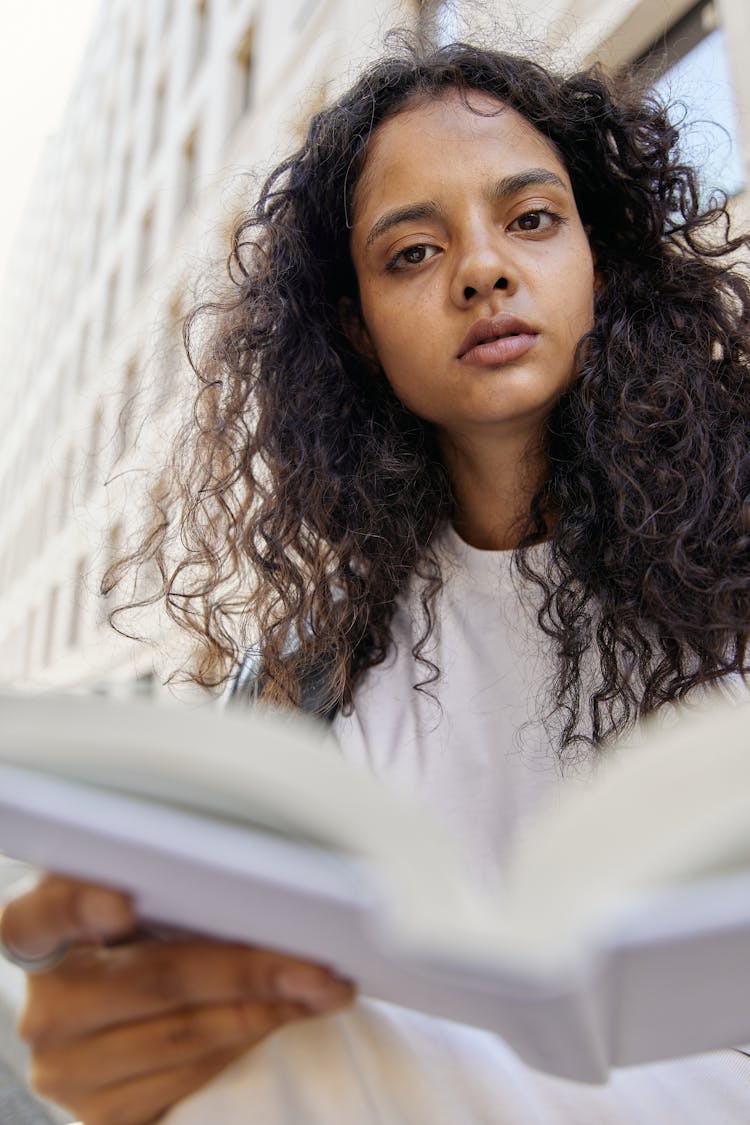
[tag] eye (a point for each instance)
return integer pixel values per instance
(411, 256)
(539, 220)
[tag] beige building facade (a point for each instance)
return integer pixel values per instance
(178, 108)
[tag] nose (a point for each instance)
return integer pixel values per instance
(481, 268)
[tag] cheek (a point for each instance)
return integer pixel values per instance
(393, 330)
(581, 319)
(588, 310)
(579, 286)
(403, 353)
(587, 284)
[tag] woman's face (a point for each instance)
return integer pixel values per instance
(476, 279)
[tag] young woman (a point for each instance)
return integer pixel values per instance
(470, 464)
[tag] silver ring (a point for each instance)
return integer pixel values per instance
(33, 964)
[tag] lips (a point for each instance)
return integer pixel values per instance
(498, 339)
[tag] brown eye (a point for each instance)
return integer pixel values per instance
(540, 220)
(412, 256)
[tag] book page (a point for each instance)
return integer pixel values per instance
(670, 806)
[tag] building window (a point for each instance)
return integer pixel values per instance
(201, 25)
(49, 631)
(305, 9)
(689, 69)
(83, 355)
(96, 238)
(65, 498)
(94, 452)
(159, 109)
(169, 353)
(58, 399)
(189, 170)
(136, 73)
(77, 603)
(28, 656)
(127, 410)
(244, 73)
(124, 186)
(43, 521)
(74, 270)
(108, 131)
(110, 308)
(145, 244)
(114, 550)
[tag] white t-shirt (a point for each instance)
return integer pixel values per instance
(473, 749)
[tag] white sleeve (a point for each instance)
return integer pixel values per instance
(382, 1065)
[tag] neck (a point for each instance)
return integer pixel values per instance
(493, 485)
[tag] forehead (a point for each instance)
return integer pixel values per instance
(439, 142)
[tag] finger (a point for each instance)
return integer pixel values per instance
(101, 988)
(142, 1101)
(60, 911)
(186, 1037)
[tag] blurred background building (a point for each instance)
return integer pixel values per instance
(178, 108)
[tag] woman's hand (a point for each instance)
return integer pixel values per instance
(120, 1032)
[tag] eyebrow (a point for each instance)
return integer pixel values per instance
(532, 177)
(498, 192)
(411, 213)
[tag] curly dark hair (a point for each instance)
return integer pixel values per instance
(304, 495)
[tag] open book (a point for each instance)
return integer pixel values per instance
(623, 935)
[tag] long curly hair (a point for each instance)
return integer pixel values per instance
(303, 496)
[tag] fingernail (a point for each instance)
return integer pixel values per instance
(103, 912)
(309, 986)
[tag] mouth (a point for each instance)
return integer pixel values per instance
(499, 336)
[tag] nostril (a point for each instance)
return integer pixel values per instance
(501, 283)
(469, 293)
